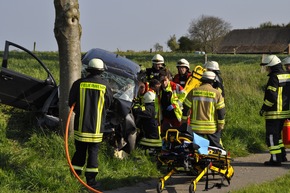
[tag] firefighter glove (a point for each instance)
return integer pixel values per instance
(170, 108)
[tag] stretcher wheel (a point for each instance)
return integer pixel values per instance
(192, 187)
(160, 186)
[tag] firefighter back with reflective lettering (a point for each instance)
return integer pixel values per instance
(207, 110)
(92, 97)
(275, 108)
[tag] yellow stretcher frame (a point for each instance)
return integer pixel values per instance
(214, 162)
(194, 80)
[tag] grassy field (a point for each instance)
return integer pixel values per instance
(33, 159)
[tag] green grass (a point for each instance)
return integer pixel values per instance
(33, 159)
(280, 185)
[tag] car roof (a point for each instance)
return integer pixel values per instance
(114, 62)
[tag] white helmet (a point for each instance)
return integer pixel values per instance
(149, 97)
(158, 59)
(183, 62)
(96, 64)
(211, 65)
(286, 61)
(270, 60)
(208, 75)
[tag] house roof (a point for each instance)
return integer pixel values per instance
(254, 41)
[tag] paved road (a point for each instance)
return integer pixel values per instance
(248, 170)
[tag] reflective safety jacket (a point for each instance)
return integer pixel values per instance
(93, 97)
(207, 109)
(145, 118)
(277, 94)
(181, 79)
(171, 96)
(152, 73)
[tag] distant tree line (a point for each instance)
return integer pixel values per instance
(269, 24)
(205, 34)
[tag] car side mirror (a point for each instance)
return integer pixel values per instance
(48, 81)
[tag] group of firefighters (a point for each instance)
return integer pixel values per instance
(164, 102)
(203, 109)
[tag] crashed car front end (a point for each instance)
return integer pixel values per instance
(41, 94)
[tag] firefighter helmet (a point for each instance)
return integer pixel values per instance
(157, 59)
(270, 60)
(96, 64)
(211, 65)
(149, 97)
(208, 75)
(183, 63)
(286, 61)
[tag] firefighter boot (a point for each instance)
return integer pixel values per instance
(91, 180)
(284, 158)
(274, 162)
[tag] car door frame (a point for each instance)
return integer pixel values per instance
(20, 90)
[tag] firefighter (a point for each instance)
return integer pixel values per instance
(92, 97)
(146, 119)
(286, 63)
(183, 74)
(157, 65)
(170, 105)
(141, 91)
(218, 84)
(206, 108)
(214, 67)
(275, 108)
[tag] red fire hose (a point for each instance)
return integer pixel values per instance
(68, 156)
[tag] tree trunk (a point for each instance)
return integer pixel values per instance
(67, 31)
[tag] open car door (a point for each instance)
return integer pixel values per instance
(24, 84)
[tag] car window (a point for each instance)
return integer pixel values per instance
(122, 87)
(24, 63)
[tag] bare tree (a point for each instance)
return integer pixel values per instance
(67, 31)
(209, 30)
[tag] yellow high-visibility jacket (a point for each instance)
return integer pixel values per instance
(207, 108)
(176, 92)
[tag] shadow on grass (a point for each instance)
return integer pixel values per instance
(22, 125)
(113, 183)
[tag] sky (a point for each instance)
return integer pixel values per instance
(130, 24)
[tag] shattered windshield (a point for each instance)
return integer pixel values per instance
(122, 87)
